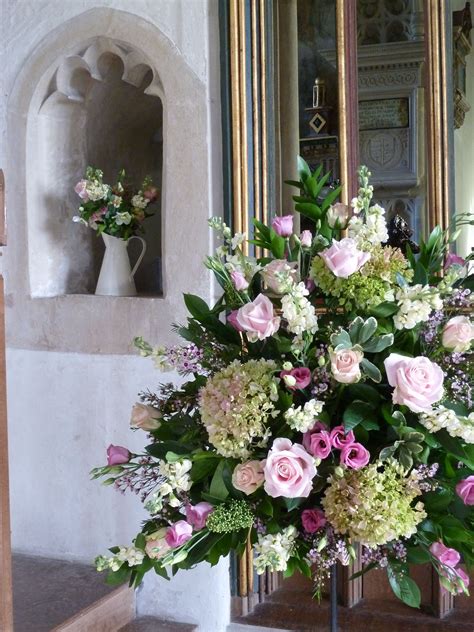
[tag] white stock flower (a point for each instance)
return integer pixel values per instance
(415, 304)
(456, 426)
(302, 418)
(172, 480)
(298, 311)
(138, 201)
(96, 191)
(370, 231)
(237, 240)
(131, 555)
(274, 551)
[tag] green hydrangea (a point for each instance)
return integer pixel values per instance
(373, 505)
(229, 517)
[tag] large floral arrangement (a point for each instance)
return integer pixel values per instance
(115, 210)
(331, 406)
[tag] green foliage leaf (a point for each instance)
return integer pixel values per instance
(417, 555)
(378, 343)
(196, 306)
(304, 171)
(364, 392)
(309, 209)
(160, 449)
(371, 370)
(368, 330)
(383, 310)
(218, 488)
(404, 587)
(357, 412)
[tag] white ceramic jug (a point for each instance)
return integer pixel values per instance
(116, 275)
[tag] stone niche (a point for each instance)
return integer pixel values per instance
(102, 107)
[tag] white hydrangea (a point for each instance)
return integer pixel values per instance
(302, 418)
(175, 480)
(138, 201)
(415, 304)
(372, 229)
(298, 311)
(456, 426)
(274, 551)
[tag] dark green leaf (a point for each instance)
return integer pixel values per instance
(357, 412)
(417, 555)
(404, 587)
(218, 488)
(196, 306)
(384, 310)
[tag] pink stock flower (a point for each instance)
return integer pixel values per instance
(289, 470)
(302, 376)
(447, 556)
(239, 280)
(80, 189)
(339, 438)
(343, 258)
(150, 194)
(116, 455)
(313, 520)
(306, 239)
(458, 333)
(248, 477)
(283, 225)
(418, 382)
(465, 490)
(355, 456)
(178, 533)
(258, 318)
(197, 515)
(232, 320)
(320, 444)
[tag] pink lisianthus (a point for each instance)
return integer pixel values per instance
(465, 490)
(355, 456)
(239, 280)
(81, 191)
(306, 238)
(317, 427)
(301, 375)
(418, 382)
(452, 259)
(232, 320)
(340, 439)
(447, 556)
(289, 470)
(343, 258)
(197, 515)
(248, 477)
(258, 318)
(464, 577)
(320, 444)
(313, 520)
(283, 225)
(178, 533)
(117, 455)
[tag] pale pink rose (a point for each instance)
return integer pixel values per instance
(452, 259)
(447, 556)
(278, 273)
(345, 365)
(418, 382)
(302, 377)
(258, 319)
(339, 437)
(178, 533)
(197, 515)
(117, 455)
(465, 490)
(145, 417)
(232, 320)
(80, 189)
(320, 444)
(343, 258)
(355, 456)
(338, 215)
(317, 427)
(150, 194)
(156, 546)
(283, 225)
(313, 520)
(458, 333)
(239, 280)
(289, 470)
(306, 238)
(248, 477)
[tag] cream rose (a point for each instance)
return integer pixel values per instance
(144, 417)
(345, 365)
(458, 333)
(248, 477)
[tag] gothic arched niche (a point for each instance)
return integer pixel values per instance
(101, 107)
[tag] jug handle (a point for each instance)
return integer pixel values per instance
(142, 254)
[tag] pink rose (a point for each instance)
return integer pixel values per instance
(339, 438)
(279, 274)
(418, 382)
(150, 194)
(156, 546)
(465, 490)
(239, 280)
(320, 444)
(178, 533)
(343, 258)
(301, 375)
(458, 333)
(289, 470)
(232, 320)
(197, 515)
(448, 557)
(338, 215)
(452, 259)
(318, 425)
(355, 456)
(116, 455)
(145, 417)
(80, 189)
(258, 319)
(306, 239)
(283, 225)
(248, 477)
(313, 520)
(345, 365)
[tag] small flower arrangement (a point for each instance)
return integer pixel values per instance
(115, 210)
(332, 407)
